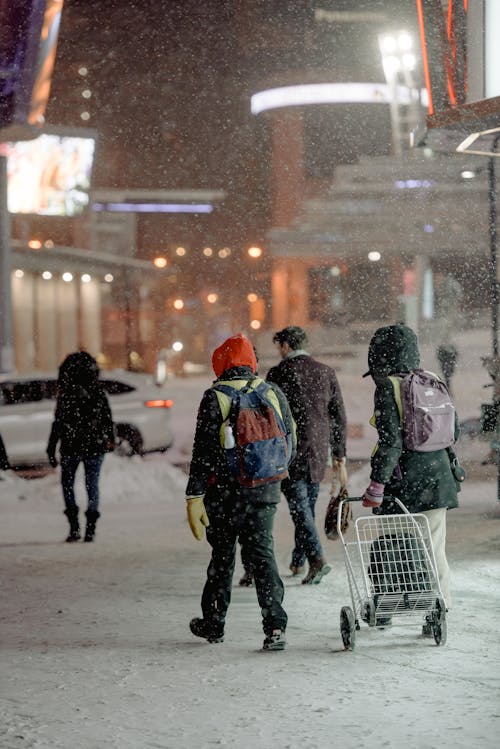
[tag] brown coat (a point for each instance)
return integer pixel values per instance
(313, 392)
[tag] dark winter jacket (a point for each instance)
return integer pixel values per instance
(421, 480)
(209, 470)
(82, 423)
(317, 406)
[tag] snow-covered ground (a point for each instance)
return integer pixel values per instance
(96, 650)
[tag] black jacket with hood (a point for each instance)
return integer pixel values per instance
(421, 480)
(82, 424)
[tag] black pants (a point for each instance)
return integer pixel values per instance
(232, 519)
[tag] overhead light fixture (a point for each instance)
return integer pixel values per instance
(153, 207)
(329, 93)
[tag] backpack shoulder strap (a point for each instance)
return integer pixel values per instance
(226, 397)
(269, 397)
(396, 386)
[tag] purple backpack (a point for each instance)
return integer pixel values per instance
(426, 411)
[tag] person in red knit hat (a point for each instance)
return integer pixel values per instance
(227, 511)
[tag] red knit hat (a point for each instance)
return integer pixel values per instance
(237, 351)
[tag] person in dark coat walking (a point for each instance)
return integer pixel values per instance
(4, 459)
(83, 426)
(447, 356)
(423, 481)
(316, 402)
(230, 512)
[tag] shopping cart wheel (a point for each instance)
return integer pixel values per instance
(369, 613)
(439, 628)
(347, 627)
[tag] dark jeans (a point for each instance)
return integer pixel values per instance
(69, 465)
(301, 496)
(232, 519)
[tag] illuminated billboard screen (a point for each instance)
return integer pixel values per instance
(50, 175)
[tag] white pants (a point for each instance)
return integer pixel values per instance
(437, 526)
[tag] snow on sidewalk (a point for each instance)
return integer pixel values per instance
(96, 651)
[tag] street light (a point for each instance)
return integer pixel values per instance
(399, 62)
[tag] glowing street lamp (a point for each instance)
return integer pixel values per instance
(399, 62)
(255, 252)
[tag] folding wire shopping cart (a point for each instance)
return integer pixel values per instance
(391, 571)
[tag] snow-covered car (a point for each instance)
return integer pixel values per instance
(140, 409)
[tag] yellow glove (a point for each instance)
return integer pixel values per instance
(339, 476)
(196, 515)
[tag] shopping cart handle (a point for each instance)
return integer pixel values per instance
(353, 499)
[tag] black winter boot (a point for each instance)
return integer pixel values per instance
(74, 525)
(209, 631)
(92, 518)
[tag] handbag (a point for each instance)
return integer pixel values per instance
(332, 512)
(457, 470)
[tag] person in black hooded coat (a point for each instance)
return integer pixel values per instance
(423, 481)
(83, 426)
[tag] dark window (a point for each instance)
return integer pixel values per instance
(113, 387)
(30, 391)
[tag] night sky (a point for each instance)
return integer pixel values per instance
(170, 86)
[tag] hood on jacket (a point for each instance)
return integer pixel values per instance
(78, 370)
(236, 351)
(392, 349)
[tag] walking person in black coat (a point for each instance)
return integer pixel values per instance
(315, 399)
(4, 460)
(426, 482)
(83, 426)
